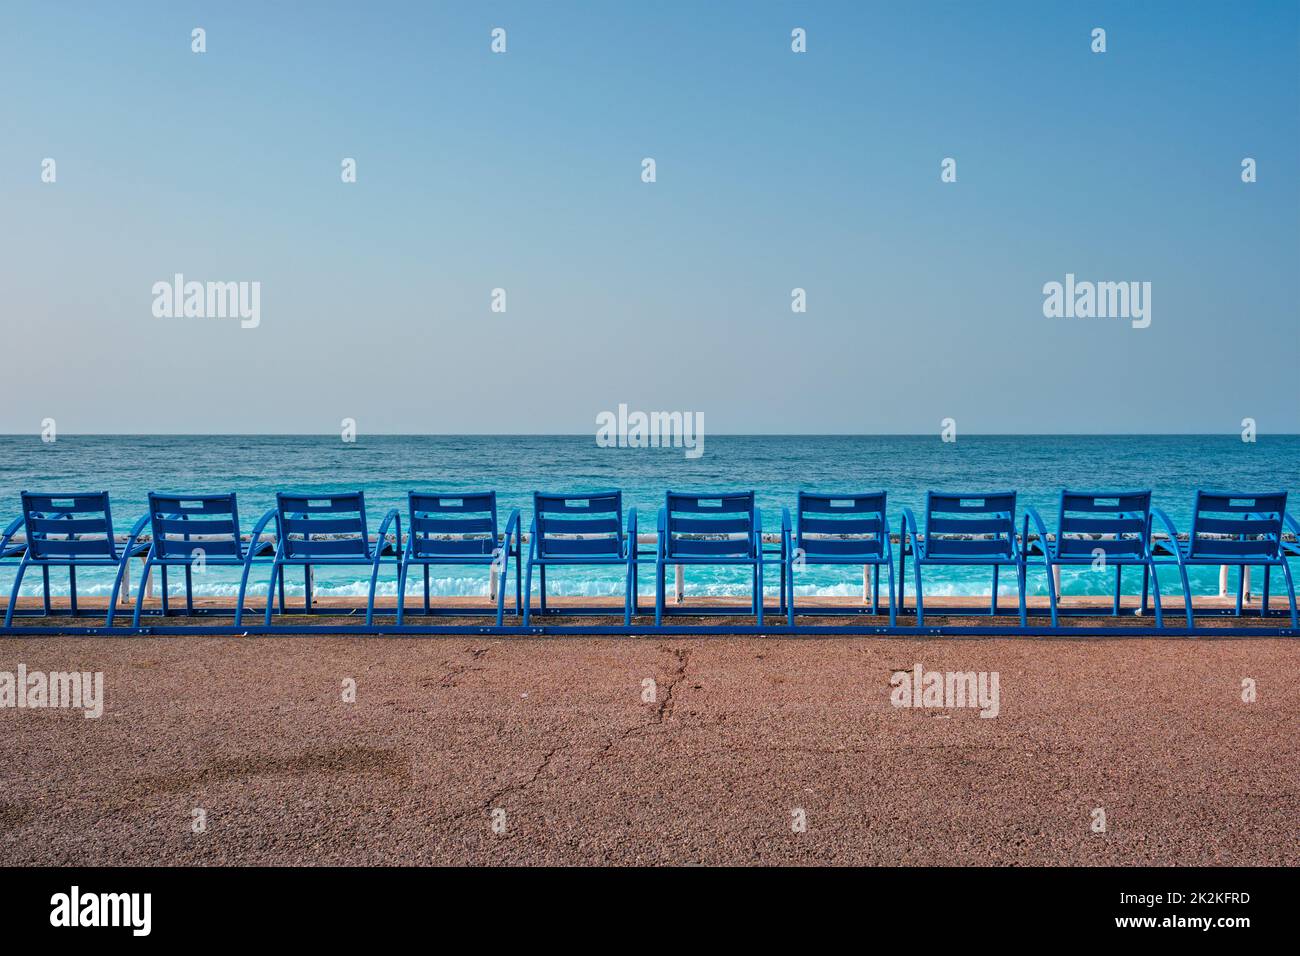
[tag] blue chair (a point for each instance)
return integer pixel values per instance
(583, 530)
(1236, 528)
(725, 529)
(458, 529)
(202, 530)
(975, 529)
(1115, 523)
(328, 529)
(840, 529)
(73, 531)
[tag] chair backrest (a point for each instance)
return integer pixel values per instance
(719, 526)
(68, 527)
(452, 525)
(1122, 516)
(324, 526)
(841, 525)
(183, 524)
(1236, 525)
(974, 524)
(598, 517)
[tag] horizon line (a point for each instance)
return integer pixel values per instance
(334, 434)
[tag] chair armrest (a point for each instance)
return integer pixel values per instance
(512, 521)
(254, 539)
(1159, 515)
(134, 535)
(393, 517)
(908, 527)
(10, 532)
(629, 544)
(1031, 514)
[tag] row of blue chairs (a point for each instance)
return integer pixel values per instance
(1099, 529)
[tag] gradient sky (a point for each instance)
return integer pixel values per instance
(775, 170)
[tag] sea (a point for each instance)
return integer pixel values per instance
(773, 466)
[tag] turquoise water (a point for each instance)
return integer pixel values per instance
(774, 466)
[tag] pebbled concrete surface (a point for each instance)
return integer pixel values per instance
(741, 732)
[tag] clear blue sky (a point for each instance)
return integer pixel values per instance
(775, 170)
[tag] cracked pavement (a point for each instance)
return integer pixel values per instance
(740, 733)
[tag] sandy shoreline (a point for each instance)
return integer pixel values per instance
(741, 733)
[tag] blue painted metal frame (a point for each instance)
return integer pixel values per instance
(69, 518)
(576, 529)
(302, 518)
(1122, 519)
(217, 518)
(451, 529)
(1250, 537)
(1253, 534)
(701, 523)
(989, 515)
(861, 525)
(298, 629)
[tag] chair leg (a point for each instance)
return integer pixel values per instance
(788, 575)
(628, 579)
(993, 604)
(1187, 595)
(519, 557)
(117, 589)
(401, 590)
(920, 607)
(277, 571)
(659, 593)
(239, 602)
(501, 590)
(139, 593)
(72, 589)
(902, 575)
(875, 590)
(306, 588)
(1155, 589)
(1290, 591)
(426, 589)
(1051, 595)
(1263, 604)
(13, 593)
(893, 603)
(189, 591)
(1022, 573)
(1119, 573)
(528, 595)
(1241, 586)
(758, 589)
(45, 592)
(370, 599)
(1146, 582)
(162, 568)
(541, 587)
